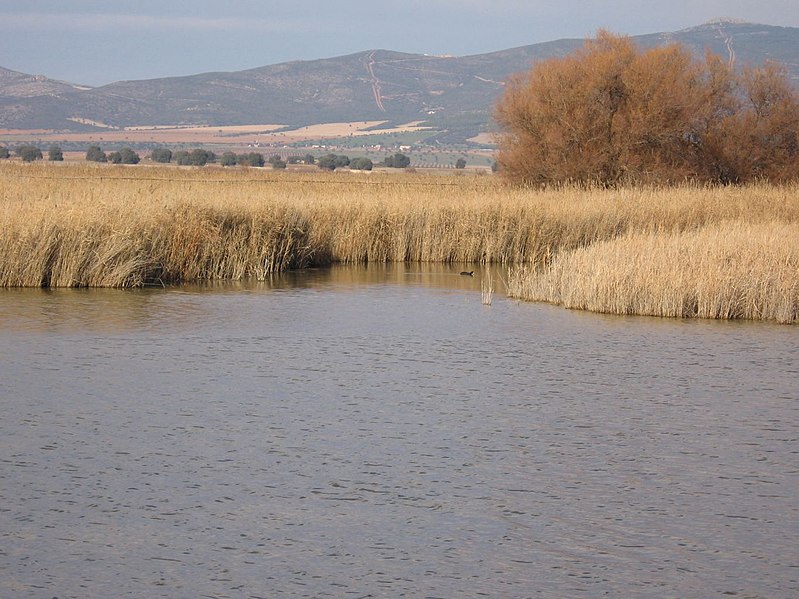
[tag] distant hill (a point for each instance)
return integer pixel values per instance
(456, 94)
(20, 85)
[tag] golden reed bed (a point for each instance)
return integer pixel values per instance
(604, 250)
(726, 270)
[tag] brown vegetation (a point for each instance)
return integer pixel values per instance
(725, 270)
(612, 113)
(121, 227)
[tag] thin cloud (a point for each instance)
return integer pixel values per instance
(108, 22)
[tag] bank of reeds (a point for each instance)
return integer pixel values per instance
(726, 270)
(114, 226)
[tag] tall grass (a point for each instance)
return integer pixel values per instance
(121, 227)
(727, 270)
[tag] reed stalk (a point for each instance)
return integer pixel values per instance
(487, 289)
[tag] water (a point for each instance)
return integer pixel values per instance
(378, 432)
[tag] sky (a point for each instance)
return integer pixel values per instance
(94, 42)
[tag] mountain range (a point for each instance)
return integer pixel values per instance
(453, 94)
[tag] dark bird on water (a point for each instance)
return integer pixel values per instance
(468, 274)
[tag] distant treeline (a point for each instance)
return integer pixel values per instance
(30, 153)
(201, 157)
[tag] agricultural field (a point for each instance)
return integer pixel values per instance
(371, 139)
(266, 134)
(723, 252)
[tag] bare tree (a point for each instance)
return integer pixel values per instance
(611, 112)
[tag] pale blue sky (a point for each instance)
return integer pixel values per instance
(100, 41)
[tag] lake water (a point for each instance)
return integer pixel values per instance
(378, 432)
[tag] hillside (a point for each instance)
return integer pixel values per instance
(453, 93)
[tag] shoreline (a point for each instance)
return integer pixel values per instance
(89, 226)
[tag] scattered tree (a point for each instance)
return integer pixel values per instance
(129, 156)
(202, 157)
(95, 154)
(228, 159)
(361, 164)
(124, 156)
(460, 163)
(4, 153)
(278, 164)
(29, 153)
(397, 161)
(327, 162)
(55, 154)
(197, 157)
(250, 159)
(161, 155)
(331, 162)
(309, 159)
(611, 112)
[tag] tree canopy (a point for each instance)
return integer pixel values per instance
(95, 154)
(397, 161)
(331, 162)
(124, 156)
(361, 163)
(228, 159)
(250, 159)
(161, 155)
(611, 112)
(196, 157)
(55, 154)
(29, 153)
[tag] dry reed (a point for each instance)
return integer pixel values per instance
(487, 290)
(100, 225)
(728, 270)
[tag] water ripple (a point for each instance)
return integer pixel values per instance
(345, 440)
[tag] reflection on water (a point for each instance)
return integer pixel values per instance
(378, 432)
(112, 310)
